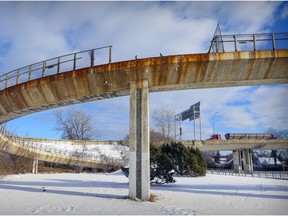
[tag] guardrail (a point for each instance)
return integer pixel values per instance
(249, 42)
(257, 174)
(52, 66)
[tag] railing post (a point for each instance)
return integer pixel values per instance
(17, 77)
(273, 41)
(235, 43)
(6, 83)
(92, 58)
(43, 68)
(30, 72)
(58, 65)
(254, 42)
(110, 54)
(74, 62)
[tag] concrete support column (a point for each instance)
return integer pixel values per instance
(237, 161)
(248, 163)
(35, 165)
(139, 136)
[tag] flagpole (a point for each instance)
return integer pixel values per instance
(194, 122)
(200, 126)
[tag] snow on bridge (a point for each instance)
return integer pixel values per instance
(63, 153)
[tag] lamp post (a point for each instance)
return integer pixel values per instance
(213, 121)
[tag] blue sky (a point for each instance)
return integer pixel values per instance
(35, 31)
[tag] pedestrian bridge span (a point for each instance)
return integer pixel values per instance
(64, 152)
(164, 73)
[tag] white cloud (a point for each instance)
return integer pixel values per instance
(248, 17)
(40, 30)
(269, 106)
(284, 12)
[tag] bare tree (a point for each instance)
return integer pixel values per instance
(281, 154)
(75, 125)
(262, 153)
(156, 138)
(163, 119)
(282, 134)
(279, 135)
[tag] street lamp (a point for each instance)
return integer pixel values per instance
(213, 121)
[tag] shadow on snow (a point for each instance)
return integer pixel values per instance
(211, 189)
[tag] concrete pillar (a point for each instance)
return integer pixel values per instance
(248, 163)
(139, 158)
(35, 165)
(237, 161)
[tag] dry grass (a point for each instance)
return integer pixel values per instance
(153, 198)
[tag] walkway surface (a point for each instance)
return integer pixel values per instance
(107, 194)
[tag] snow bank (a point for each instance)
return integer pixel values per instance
(107, 194)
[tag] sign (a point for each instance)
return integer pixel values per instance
(192, 113)
(196, 111)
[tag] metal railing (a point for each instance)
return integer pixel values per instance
(249, 42)
(52, 66)
(257, 174)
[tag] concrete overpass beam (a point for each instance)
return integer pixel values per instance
(139, 158)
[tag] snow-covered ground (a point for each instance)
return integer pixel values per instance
(107, 194)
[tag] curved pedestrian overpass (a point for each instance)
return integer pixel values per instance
(75, 78)
(67, 152)
(20, 95)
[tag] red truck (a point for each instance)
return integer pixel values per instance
(215, 137)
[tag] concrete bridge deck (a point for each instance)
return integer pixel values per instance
(226, 145)
(165, 73)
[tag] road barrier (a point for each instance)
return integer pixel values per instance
(257, 174)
